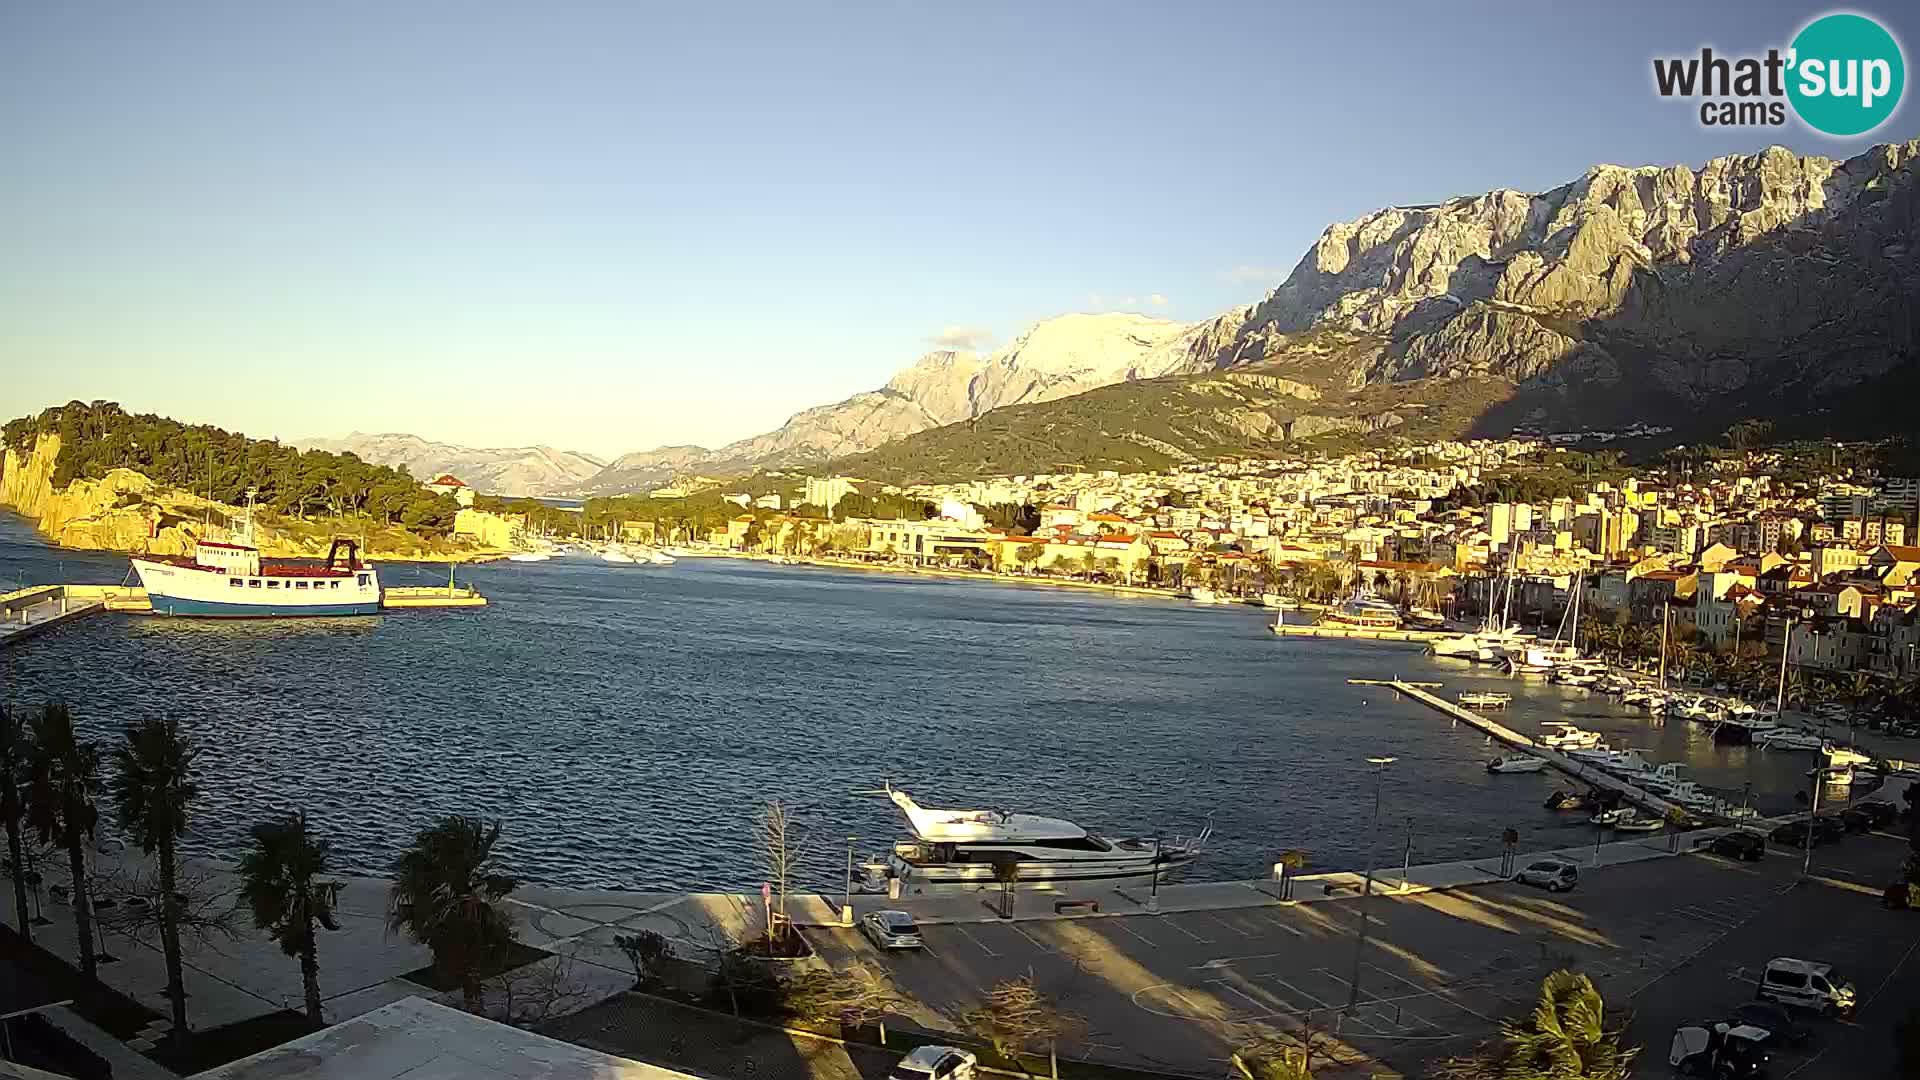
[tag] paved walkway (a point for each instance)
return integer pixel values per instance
(29, 611)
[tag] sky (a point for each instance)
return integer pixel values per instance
(611, 226)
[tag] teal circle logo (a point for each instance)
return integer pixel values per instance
(1847, 74)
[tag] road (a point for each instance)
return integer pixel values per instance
(1673, 940)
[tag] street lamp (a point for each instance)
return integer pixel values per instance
(1373, 838)
(846, 907)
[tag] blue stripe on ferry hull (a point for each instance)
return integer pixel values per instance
(173, 605)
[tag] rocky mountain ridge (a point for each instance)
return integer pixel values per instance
(523, 470)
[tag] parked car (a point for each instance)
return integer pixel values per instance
(1739, 844)
(1828, 827)
(1719, 1050)
(1881, 813)
(1806, 984)
(1854, 819)
(1553, 875)
(891, 930)
(1795, 834)
(936, 1063)
(1775, 1020)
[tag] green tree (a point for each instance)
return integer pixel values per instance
(14, 755)
(1028, 554)
(1567, 1037)
(283, 883)
(446, 895)
(63, 782)
(152, 790)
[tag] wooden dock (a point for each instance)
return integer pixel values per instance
(1362, 633)
(1585, 773)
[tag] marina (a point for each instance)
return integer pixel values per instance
(811, 684)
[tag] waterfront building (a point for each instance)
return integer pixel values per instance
(449, 484)
(827, 492)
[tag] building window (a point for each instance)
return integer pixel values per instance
(237, 583)
(299, 584)
(334, 585)
(253, 583)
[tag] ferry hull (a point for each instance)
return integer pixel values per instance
(174, 605)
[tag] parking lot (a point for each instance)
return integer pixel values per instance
(1673, 939)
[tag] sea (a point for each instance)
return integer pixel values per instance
(628, 723)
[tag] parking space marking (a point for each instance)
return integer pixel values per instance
(1379, 1005)
(1121, 925)
(1276, 920)
(1436, 992)
(968, 934)
(1222, 922)
(1265, 1008)
(1037, 943)
(1184, 930)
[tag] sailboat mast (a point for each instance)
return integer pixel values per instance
(1786, 646)
(1666, 618)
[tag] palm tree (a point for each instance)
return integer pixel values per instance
(446, 895)
(152, 788)
(281, 883)
(63, 777)
(14, 751)
(1566, 1037)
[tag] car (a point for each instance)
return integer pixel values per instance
(1794, 834)
(1721, 1050)
(1776, 1020)
(1553, 875)
(891, 930)
(1739, 844)
(1827, 827)
(1854, 819)
(1806, 984)
(1882, 814)
(936, 1063)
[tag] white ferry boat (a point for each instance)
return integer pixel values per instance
(231, 581)
(967, 847)
(1365, 611)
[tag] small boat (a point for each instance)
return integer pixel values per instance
(1838, 757)
(1631, 822)
(1564, 736)
(1516, 763)
(529, 556)
(1788, 739)
(614, 553)
(1569, 800)
(1272, 600)
(1484, 699)
(1201, 596)
(1610, 818)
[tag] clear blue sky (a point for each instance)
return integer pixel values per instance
(611, 226)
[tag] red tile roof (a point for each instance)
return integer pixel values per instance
(448, 480)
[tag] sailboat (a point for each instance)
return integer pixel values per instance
(1495, 639)
(1542, 659)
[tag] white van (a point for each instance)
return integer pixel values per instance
(1806, 985)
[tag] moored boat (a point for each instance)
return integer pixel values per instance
(1484, 699)
(1516, 763)
(232, 581)
(970, 848)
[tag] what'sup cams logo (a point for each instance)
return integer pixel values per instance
(1842, 76)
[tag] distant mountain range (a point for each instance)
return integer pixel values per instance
(520, 470)
(1768, 285)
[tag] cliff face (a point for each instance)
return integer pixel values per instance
(1753, 277)
(125, 510)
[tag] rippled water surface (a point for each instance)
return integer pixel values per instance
(626, 722)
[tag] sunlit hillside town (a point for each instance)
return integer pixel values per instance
(1725, 557)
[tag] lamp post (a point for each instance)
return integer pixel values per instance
(846, 906)
(1373, 837)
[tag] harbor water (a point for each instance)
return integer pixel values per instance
(627, 722)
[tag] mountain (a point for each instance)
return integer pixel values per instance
(1771, 285)
(524, 470)
(1055, 358)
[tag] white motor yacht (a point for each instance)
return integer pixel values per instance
(1839, 757)
(1564, 736)
(1788, 739)
(614, 553)
(1201, 596)
(1516, 763)
(969, 847)
(529, 556)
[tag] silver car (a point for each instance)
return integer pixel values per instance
(891, 930)
(936, 1063)
(1553, 875)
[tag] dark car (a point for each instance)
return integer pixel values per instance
(1882, 814)
(1777, 1020)
(1794, 834)
(1739, 844)
(1827, 827)
(1854, 819)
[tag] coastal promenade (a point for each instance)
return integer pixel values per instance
(30, 611)
(1171, 978)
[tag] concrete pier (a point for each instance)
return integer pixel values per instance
(1584, 773)
(29, 611)
(425, 596)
